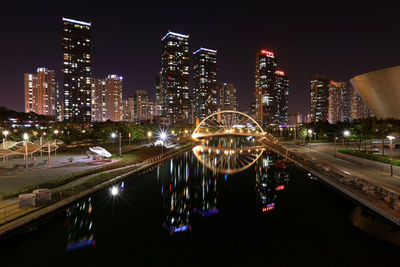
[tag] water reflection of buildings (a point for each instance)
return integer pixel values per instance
(79, 225)
(176, 194)
(271, 177)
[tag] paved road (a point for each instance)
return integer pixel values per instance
(326, 152)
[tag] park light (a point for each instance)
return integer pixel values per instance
(113, 135)
(309, 131)
(149, 134)
(55, 132)
(346, 133)
(173, 132)
(44, 133)
(25, 136)
(83, 131)
(114, 190)
(390, 137)
(6, 133)
(186, 131)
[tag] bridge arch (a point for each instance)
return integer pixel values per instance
(228, 122)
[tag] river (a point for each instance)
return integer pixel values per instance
(225, 202)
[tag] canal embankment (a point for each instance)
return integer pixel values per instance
(379, 199)
(68, 193)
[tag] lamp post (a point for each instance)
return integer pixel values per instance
(113, 136)
(163, 136)
(5, 146)
(391, 155)
(346, 134)
(335, 144)
(26, 137)
(309, 135)
(55, 133)
(149, 134)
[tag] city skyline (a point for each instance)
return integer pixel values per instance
(354, 51)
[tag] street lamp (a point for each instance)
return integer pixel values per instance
(26, 137)
(114, 135)
(56, 132)
(6, 147)
(346, 133)
(149, 134)
(309, 135)
(391, 155)
(163, 137)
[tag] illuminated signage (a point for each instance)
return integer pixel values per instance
(77, 22)
(268, 207)
(267, 53)
(176, 34)
(205, 49)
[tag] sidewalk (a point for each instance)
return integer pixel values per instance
(326, 152)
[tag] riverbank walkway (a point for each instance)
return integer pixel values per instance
(326, 151)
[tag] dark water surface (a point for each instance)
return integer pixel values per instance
(182, 213)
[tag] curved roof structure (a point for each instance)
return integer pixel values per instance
(381, 91)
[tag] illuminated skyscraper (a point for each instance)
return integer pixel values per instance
(158, 87)
(77, 70)
(175, 77)
(99, 108)
(272, 90)
(227, 97)
(205, 82)
(114, 105)
(281, 96)
(40, 92)
(319, 94)
(265, 86)
(337, 101)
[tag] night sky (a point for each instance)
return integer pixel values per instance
(338, 39)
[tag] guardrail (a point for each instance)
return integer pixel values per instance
(341, 177)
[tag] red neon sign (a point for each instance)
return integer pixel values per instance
(267, 53)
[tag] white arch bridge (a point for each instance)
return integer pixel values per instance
(228, 122)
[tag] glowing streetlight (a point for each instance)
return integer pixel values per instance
(114, 135)
(309, 135)
(5, 133)
(25, 136)
(149, 134)
(391, 155)
(346, 133)
(56, 132)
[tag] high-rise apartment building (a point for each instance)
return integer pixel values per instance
(175, 77)
(40, 92)
(99, 108)
(227, 97)
(359, 108)
(143, 106)
(281, 96)
(319, 94)
(113, 97)
(336, 99)
(30, 81)
(205, 82)
(77, 70)
(265, 86)
(158, 87)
